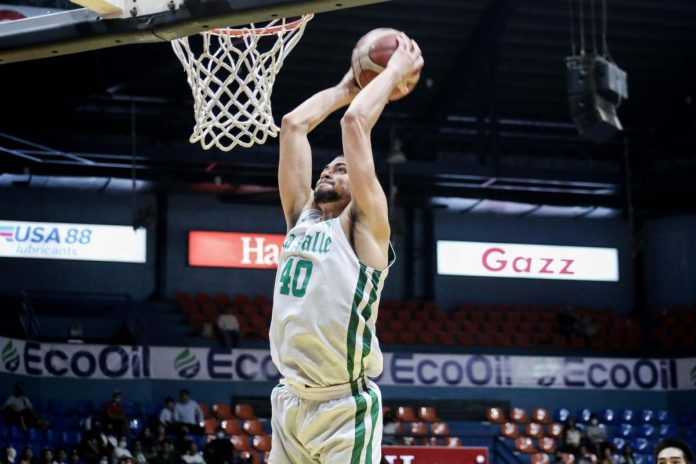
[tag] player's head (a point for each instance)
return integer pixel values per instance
(333, 185)
(673, 451)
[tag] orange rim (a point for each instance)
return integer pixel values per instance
(262, 31)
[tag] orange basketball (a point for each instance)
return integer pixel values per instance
(371, 55)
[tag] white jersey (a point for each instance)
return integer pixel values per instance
(324, 307)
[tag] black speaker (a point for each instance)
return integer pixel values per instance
(595, 87)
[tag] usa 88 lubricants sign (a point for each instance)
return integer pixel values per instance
(83, 242)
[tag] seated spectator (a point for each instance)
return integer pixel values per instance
(20, 412)
(596, 436)
(188, 413)
(75, 457)
(46, 457)
(585, 456)
(61, 457)
(149, 442)
(627, 456)
(96, 443)
(389, 428)
(137, 452)
(228, 328)
(114, 415)
(572, 437)
(166, 415)
(167, 454)
(192, 455)
(121, 450)
(673, 451)
(9, 455)
(27, 456)
(220, 450)
(607, 456)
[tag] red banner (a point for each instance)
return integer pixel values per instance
(234, 249)
(434, 455)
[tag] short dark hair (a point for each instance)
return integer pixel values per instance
(169, 399)
(674, 443)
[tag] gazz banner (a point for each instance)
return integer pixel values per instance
(400, 369)
(82, 242)
(434, 455)
(519, 261)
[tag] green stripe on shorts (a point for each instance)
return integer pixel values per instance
(374, 412)
(359, 441)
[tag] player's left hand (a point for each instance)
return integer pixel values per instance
(348, 83)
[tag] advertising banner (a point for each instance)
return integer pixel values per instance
(527, 261)
(81, 242)
(400, 369)
(234, 249)
(434, 455)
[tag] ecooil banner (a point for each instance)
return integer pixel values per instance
(400, 369)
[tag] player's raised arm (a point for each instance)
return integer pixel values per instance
(361, 116)
(295, 166)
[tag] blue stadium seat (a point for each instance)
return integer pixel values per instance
(627, 416)
(51, 437)
(646, 458)
(84, 408)
(4, 431)
(641, 445)
(608, 417)
(668, 430)
(664, 417)
(38, 406)
(561, 415)
(646, 430)
(59, 423)
(583, 416)
(152, 409)
(619, 443)
(70, 438)
(34, 435)
(136, 425)
(132, 409)
(625, 431)
(56, 408)
(199, 440)
(16, 433)
(687, 418)
(646, 416)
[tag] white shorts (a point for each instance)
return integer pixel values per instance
(326, 425)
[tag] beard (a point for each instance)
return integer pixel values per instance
(325, 196)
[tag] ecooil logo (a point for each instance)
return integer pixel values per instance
(10, 356)
(187, 364)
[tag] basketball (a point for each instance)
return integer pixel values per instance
(371, 55)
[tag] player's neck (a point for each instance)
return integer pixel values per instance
(332, 210)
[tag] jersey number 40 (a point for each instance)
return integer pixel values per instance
(294, 280)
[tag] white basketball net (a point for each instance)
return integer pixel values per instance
(232, 81)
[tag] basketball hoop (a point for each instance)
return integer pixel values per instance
(232, 80)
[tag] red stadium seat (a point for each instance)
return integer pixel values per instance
(427, 414)
(222, 411)
(240, 443)
(519, 416)
(210, 426)
(525, 445)
(244, 411)
(232, 427)
(206, 411)
(262, 443)
(509, 430)
(534, 430)
(541, 416)
(252, 427)
(495, 415)
(405, 414)
(547, 445)
(440, 428)
(554, 430)
(540, 458)
(250, 457)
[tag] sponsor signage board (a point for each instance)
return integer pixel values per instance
(234, 249)
(522, 261)
(81, 242)
(435, 455)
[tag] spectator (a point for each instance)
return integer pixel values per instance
(558, 457)
(572, 437)
(228, 328)
(27, 456)
(47, 457)
(19, 410)
(187, 412)
(389, 428)
(596, 436)
(167, 454)
(192, 455)
(61, 456)
(138, 454)
(586, 456)
(9, 455)
(114, 415)
(149, 442)
(627, 456)
(120, 451)
(673, 451)
(166, 415)
(183, 438)
(219, 450)
(607, 457)
(96, 443)
(75, 457)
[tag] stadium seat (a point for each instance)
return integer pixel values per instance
(664, 417)
(232, 427)
(519, 416)
(561, 415)
(646, 416)
(583, 416)
(608, 417)
(252, 427)
(625, 431)
(16, 433)
(222, 411)
(618, 443)
(34, 435)
(250, 457)
(646, 430)
(56, 408)
(427, 414)
(627, 416)
(668, 430)
(554, 430)
(547, 445)
(534, 430)
(84, 408)
(262, 443)
(568, 458)
(524, 445)
(405, 414)
(540, 458)
(244, 411)
(419, 432)
(541, 416)
(210, 426)
(641, 445)
(206, 411)
(509, 430)
(495, 415)
(240, 442)
(440, 428)
(453, 441)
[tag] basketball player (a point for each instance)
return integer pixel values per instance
(330, 274)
